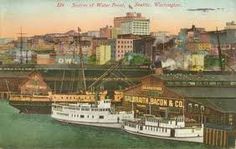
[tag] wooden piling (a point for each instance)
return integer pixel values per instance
(217, 137)
(213, 137)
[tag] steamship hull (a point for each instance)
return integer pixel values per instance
(32, 107)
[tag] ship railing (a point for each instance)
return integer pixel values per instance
(133, 121)
(29, 98)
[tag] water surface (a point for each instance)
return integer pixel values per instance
(32, 131)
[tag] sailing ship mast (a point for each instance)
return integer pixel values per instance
(81, 74)
(219, 50)
(81, 61)
(21, 46)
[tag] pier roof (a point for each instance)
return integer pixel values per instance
(15, 74)
(9, 81)
(197, 77)
(221, 99)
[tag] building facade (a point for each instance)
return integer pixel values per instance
(106, 32)
(122, 47)
(230, 25)
(103, 54)
(34, 85)
(93, 34)
(96, 42)
(44, 59)
(136, 27)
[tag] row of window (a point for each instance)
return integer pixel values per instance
(122, 55)
(73, 97)
(123, 51)
(140, 23)
(85, 109)
(124, 46)
(159, 121)
(125, 41)
(140, 27)
(155, 129)
(83, 116)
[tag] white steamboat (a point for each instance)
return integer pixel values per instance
(102, 114)
(171, 129)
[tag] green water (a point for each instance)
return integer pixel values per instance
(23, 131)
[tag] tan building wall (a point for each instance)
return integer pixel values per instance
(103, 54)
(197, 62)
(123, 46)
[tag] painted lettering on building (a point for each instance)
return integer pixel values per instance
(178, 103)
(157, 88)
(35, 87)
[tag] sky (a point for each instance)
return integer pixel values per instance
(37, 17)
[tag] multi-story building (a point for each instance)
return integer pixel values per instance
(115, 32)
(93, 34)
(144, 46)
(136, 27)
(24, 56)
(96, 42)
(198, 46)
(197, 62)
(129, 16)
(106, 32)
(45, 59)
(230, 25)
(122, 47)
(103, 54)
(5, 40)
(189, 35)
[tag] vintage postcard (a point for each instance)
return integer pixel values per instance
(117, 74)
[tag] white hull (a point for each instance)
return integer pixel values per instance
(107, 125)
(100, 115)
(184, 139)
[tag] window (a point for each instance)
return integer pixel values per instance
(212, 83)
(232, 83)
(81, 116)
(101, 117)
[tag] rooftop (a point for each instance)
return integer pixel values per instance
(221, 99)
(211, 76)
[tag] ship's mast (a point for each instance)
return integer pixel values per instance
(219, 50)
(82, 74)
(21, 45)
